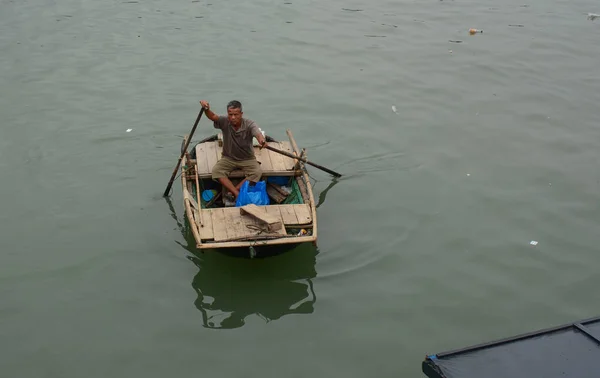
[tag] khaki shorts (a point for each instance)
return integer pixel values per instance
(225, 166)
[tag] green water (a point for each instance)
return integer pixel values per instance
(424, 243)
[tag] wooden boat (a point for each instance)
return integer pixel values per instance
(290, 218)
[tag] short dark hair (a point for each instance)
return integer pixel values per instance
(234, 104)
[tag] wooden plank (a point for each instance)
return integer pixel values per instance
(274, 194)
(278, 241)
(211, 155)
(311, 198)
(235, 226)
(189, 212)
(201, 161)
(199, 219)
(277, 159)
(264, 158)
(206, 232)
(269, 219)
(240, 174)
(289, 162)
(303, 213)
(302, 187)
(288, 214)
(230, 225)
(274, 211)
(219, 224)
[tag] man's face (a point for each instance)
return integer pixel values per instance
(235, 116)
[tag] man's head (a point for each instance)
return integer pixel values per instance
(234, 113)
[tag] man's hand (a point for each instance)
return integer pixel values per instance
(262, 143)
(209, 113)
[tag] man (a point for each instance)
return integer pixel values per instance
(238, 152)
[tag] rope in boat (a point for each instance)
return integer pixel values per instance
(259, 229)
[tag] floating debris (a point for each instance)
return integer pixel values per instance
(533, 242)
(128, 130)
(593, 16)
(474, 31)
(352, 10)
(454, 41)
(394, 109)
(517, 25)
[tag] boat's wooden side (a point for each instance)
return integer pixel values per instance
(308, 185)
(227, 227)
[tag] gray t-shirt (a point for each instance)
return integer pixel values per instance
(237, 145)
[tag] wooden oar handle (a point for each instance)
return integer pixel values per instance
(183, 150)
(303, 160)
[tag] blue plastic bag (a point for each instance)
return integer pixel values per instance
(255, 194)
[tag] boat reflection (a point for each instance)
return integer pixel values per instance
(231, 287)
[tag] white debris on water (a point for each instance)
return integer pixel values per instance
(593, 16)
(468, 174)
(394, 109)
(128, 130)
(533, 242)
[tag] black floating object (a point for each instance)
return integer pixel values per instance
(352, 10)
(517, 25)
(453, 41)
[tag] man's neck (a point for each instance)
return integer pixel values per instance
(236, 128)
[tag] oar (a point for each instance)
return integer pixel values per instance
(187, 143)
(303, 160)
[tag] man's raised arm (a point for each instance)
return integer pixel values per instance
(209, 113)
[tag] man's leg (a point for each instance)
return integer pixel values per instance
(220, 172)
(238, 186)
(252, 170)
(226, 182)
